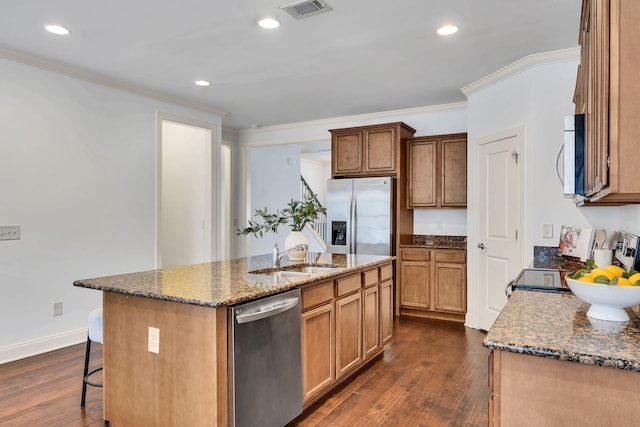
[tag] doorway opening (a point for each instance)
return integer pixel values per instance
(187, 179)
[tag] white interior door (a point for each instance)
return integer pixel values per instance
(499, 219)
(186, 229)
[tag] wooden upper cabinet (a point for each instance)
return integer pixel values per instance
(346, 149)
(453, 184)
(374, 150)
(608, 94)
(422, 172)
(380, 150)
(437, 171)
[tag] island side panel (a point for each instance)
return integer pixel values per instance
(537, 391)
(185, 384)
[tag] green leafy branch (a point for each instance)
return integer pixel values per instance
(297, 215)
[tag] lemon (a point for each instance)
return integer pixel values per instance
(624, 282)
(602, 272)
(617, 271)
(633, 279)
(586, 278)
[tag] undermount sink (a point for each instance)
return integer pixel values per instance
(302, 271)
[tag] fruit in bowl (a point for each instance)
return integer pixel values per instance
(608, 289)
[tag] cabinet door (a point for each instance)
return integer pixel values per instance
(380, 151)
(422, 172)
(450, 291)
(416, 280)
(348, 333)
(318, 363)
(386, 311)
(370, 322)
(346, 153)
(453, 185)
(597, 99)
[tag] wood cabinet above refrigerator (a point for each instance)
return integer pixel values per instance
(374, 150)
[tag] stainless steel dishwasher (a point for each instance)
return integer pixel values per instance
(265, 362)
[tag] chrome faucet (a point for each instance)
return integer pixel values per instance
(277, 256)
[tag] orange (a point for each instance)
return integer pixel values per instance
(633, 279)
(617, 271)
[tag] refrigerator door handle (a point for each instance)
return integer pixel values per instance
(352, 221)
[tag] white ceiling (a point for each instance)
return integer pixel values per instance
(364, 56)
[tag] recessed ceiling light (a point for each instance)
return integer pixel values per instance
(203, 83)
(269, 23)
(447, 30)
(57, 29)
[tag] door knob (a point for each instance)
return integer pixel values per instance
(481, 245)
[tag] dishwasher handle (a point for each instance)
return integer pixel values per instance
(267, 310)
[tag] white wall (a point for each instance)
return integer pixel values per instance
(274, 181)
(432, 120)
(77, 165)
(441, 222)
(536, 97)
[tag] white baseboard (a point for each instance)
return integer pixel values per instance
(42, 345)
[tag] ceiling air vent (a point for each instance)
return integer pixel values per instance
(305, 8)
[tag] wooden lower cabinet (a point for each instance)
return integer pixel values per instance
(536, 391)
(433, 283)
(345, 323)
(348, 333)
(386, 311)
(416, 284)
(370, 321)
(449, 293)
(318, 363)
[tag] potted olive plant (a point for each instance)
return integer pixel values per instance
(296, 216)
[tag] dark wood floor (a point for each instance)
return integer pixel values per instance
(433, 373)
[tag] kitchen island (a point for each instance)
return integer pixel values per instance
(186, 381)
(552, 365)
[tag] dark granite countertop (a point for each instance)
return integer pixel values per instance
(555, 325)
(433, 242)
(227, 282)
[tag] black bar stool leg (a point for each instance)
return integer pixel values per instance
(86, 370)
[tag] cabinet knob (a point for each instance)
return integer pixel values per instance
(481, 245)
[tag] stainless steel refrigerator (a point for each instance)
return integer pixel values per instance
(360, 216)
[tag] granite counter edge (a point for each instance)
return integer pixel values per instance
(587, 359)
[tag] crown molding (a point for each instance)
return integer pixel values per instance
(522, 65)
(102, 80)
(256, 135)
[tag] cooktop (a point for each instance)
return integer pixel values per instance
(540, 279)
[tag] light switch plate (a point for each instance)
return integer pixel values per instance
(9, 232)
(154, 340)
(547, 231)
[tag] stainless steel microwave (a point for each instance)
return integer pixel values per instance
(574, 154)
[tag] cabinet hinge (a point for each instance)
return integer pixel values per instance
(608, 162)
(516, 234)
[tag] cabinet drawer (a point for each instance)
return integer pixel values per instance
(370, 277)
(317, 294)
(386, 272)
(416, 255)
(348, 284)
(450, 256)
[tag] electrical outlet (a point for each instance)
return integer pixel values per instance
(548, 279)
(547, 231)
(9, 232)
(154, 340)
(57, 308)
